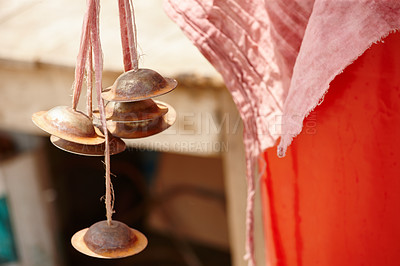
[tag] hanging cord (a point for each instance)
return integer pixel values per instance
(81, 59)
(124, 36)
(89, 81)
(132, 33)
(251, 191)
(128, 34)
(98, 67)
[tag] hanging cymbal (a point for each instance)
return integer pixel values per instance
(117, 145)
(138, 85)
(141, 129)
(69, 124)
(135, 111)
(109, 241)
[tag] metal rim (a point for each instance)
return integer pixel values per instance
(117, 145)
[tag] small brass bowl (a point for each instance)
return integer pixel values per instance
(140, 129)
(135, 111)
(117, 145)
(109, 241)
(68, 124)
(138, 85)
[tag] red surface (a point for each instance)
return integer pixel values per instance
(335, 198)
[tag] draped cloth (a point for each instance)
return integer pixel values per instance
(278, 57)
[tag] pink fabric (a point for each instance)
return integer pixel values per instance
(277, 58)
(128, 34)
(338, 32)
(82, 56)
(240, 47)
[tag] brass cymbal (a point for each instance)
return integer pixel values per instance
(138, 85)
(68, 124)
(117, 145)
(109, 241)
(135, 111)
(141, 129)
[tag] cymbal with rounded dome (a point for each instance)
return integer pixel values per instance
(69, 124)
(138, 85)
(116, 240)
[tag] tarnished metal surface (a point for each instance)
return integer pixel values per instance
(135, 111)
(109, 241)
(68, 124)
(141, 129)
(138, 85)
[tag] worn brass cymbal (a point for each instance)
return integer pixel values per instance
(117, 145)
(109, 241)
(135, 111)
(132, 130)
(138, 85)
(68, 124)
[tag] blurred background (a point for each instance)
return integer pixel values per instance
(184, 188)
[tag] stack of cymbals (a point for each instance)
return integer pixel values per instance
(73, 131)
(130, 111)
